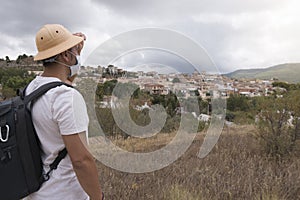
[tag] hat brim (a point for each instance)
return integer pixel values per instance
(71, 42)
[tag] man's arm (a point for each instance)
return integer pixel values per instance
(84, 165)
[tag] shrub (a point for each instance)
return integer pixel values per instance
(275, 132)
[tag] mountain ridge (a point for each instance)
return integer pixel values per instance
(288, 72)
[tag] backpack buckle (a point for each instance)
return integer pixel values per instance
(6, 134)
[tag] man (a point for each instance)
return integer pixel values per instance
(60, 118)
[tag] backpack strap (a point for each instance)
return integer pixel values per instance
(40, 91)
(31, 98)
(61, 155)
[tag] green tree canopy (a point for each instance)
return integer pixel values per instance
(13, 79)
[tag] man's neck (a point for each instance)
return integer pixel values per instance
(57, 71)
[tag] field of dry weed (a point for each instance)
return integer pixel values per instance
(235, 169)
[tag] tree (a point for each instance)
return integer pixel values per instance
(109, 86)
(125, 89)
(13, 79)
(99, 92)
(20, 58)
(294, 96)
(7, 59)
(176, 80)
(8, 93)
(197, 93)
(169, 101)
(276, 132)
(238, 103)
(281, 84)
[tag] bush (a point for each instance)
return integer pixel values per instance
(275, 132)
(230, 116)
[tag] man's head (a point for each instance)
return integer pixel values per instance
(57, 46)
(54, 39)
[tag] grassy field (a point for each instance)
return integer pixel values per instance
(235, 169)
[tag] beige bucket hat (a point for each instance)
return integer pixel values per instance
(53, 39)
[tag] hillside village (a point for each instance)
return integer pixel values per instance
(184, 85)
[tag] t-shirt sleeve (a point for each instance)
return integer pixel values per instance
(69, 111)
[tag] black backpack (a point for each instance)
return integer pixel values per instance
(21, 167)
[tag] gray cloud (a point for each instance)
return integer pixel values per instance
(22, 19)
(26, 17)
(237, 34)
(138, 60)
(157, 8)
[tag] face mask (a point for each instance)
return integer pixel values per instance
(75, 68)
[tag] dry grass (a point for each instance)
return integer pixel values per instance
(177, 192)
(145, 144)
(235, 169)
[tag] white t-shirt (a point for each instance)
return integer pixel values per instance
(60, 111)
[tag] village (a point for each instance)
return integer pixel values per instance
(184, 85)
(201, 84)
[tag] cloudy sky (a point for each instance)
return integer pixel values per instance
(235, 33)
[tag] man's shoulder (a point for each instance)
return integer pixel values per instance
(40, 81)
(64, 91)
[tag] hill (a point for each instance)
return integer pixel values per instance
(284, 72)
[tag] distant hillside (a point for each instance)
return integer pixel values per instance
(23, 61)
(285, 72)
